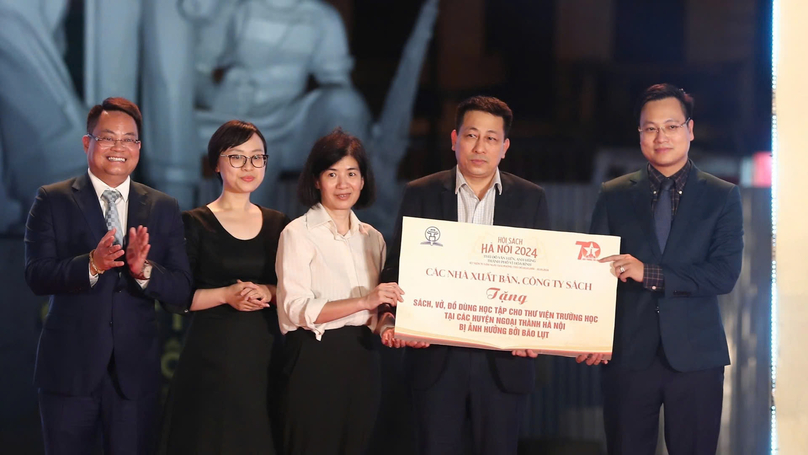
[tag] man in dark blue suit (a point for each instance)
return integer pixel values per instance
(681, 234)
(453, 386)
(97, 365)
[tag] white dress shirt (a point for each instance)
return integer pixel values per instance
(316, 265)
(122, 205)
(470, 208)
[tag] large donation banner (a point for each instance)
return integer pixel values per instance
(497, 287)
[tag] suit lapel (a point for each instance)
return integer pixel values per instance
(641, 198)
(87, 201)
(138, 207)
(685, 213)
(448, 198)
(502, 206)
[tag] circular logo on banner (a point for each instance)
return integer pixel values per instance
(432, 235)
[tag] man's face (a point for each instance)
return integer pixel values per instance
(480, 144)
(664, 135)
(112, 162)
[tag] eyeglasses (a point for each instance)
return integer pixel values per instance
(239, 161)
(669, 130)
(107, 142)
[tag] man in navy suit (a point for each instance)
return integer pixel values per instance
(681, 234)
(97, 365)
(455, 386)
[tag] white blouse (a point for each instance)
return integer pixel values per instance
(316, 265)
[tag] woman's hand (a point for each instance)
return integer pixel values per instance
(246, 296)
(261, 293)
(389, 339)
(388, 293)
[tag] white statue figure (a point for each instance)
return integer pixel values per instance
(112, 30)
(173, 153)
(266, 50)
(41, 117)
(271, 48)
(147, 47)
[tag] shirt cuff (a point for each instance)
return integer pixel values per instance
(93, 278)
(147, 269)
(653, 278)
(373, 323)
(310, 314)
(389, 322)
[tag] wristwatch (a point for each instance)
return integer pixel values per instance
(145, 273)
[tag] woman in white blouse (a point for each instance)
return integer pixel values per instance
(328, 265)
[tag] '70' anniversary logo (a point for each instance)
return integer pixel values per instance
(589, 251)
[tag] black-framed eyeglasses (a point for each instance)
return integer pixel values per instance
(108, 141)
(239, 161)
(669, 130)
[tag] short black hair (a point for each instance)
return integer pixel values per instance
(489, 104)
(114, 104)
(326, 151)
(658, 92)
(231, 134)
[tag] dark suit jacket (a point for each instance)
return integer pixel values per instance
(86, 325)
(702, 260)
(521, 204)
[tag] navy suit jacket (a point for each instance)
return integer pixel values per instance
(702, 260)
(87, 325)
(521, 204)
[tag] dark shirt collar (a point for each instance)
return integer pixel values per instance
(679, 178)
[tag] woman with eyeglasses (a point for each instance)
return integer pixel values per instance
(328, 266)
(221, 399)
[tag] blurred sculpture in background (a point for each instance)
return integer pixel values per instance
(196, 64)
(269, 50)
(174, 153)
(41, 117)
(254, 62)
(147, 47)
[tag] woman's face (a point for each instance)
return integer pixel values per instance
(247, 177)
(341, 184)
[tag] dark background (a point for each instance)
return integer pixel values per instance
(570, 70)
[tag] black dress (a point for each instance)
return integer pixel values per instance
(222, 395)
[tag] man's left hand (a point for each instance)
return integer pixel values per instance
(626, 266)
(525, 353)
(137, 250)
(592, 359)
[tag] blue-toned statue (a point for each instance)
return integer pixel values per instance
(41, 117)
(256, 65)
(195, 64)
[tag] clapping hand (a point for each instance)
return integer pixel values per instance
(137, 250)
(105, 255)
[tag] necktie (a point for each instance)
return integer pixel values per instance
(663, 213)
(111, 215)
